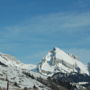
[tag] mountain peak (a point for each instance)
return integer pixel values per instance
(58, 61)
(56, 49)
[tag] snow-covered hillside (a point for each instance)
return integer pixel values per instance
(9, 60)
(58, 61)
(18, 73)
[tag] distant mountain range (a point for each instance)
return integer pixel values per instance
(56, 67)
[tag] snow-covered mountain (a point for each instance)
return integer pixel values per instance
(9, 60)
(18, 74)
(58, 61)
(22, 75)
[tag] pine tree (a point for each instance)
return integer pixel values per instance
(7, 82)
(89, 67)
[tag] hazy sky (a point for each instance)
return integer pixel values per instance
(29, 28)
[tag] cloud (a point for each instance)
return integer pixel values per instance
(62, 24)
(55, 25)
(68, 30)
(53, 22)
(83, 3)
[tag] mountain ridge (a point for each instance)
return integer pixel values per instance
(57, 59)
(30, 75)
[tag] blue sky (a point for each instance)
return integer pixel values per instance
(30, 28)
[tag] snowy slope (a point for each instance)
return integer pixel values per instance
(14, 71)
(16, 75)
(55, 61)
(58, 61)
(9, 60)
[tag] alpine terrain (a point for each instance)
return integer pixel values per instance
(56, 71)
(58, 61)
